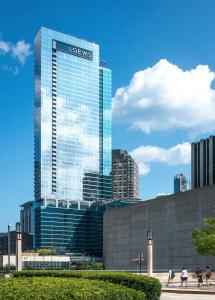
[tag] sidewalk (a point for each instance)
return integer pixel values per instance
(191, 288)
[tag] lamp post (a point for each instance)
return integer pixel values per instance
(18, 247)
(150, 253)
(8, 245)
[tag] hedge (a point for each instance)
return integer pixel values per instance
(63, 289)
(150, 286)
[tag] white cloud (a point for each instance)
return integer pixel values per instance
(4, 47)
(176, 155)
(144, 169)
(21, 51)
(164, 97)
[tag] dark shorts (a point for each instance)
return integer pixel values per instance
(183, 278)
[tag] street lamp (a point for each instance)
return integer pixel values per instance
(18, 247)
(149, 235)
(8, 245)
(150, 253)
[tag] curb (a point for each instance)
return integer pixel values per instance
(184, 291)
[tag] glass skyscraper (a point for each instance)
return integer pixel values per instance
(180, 183)
(72, 119)
(72, 168)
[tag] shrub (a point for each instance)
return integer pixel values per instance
(50, 273)
(63, 289)
(89, 265)
(150, 286)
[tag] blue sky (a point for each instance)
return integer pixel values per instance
(168, 103)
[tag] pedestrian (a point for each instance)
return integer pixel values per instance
(199, 276)
(184, 276)
(171, 276)
(208, 275)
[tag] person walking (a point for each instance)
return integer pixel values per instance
(208, 275)
(184, 276)
(171, 276)
(199, 276)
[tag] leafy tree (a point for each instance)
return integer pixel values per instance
(204, 238)
(46, 251)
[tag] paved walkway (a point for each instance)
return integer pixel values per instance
(192, 286)
(170, 296)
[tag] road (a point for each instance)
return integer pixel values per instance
(170, 296)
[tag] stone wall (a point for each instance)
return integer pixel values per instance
(171, 218)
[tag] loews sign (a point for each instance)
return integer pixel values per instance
(74, 50)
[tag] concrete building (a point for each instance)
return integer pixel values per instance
(180, 183)
(125, 175)
(171, 218)
(203, 162)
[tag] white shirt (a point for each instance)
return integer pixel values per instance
(184, 273)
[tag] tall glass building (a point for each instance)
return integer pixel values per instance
(72, 119)
(72, 168)
(180, 183)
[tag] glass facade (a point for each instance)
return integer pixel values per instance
(73, 141)
(47, 265)
(69, 226)
(180, 183)
(72, 119)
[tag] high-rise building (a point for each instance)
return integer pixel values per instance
(125, 175)
(203, 162)
(72, 119)
(72, 139)
(26, 216)
(180, 183)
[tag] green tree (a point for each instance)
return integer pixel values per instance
(204, 238)
(46, 251)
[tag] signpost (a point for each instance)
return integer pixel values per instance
(139, 261)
